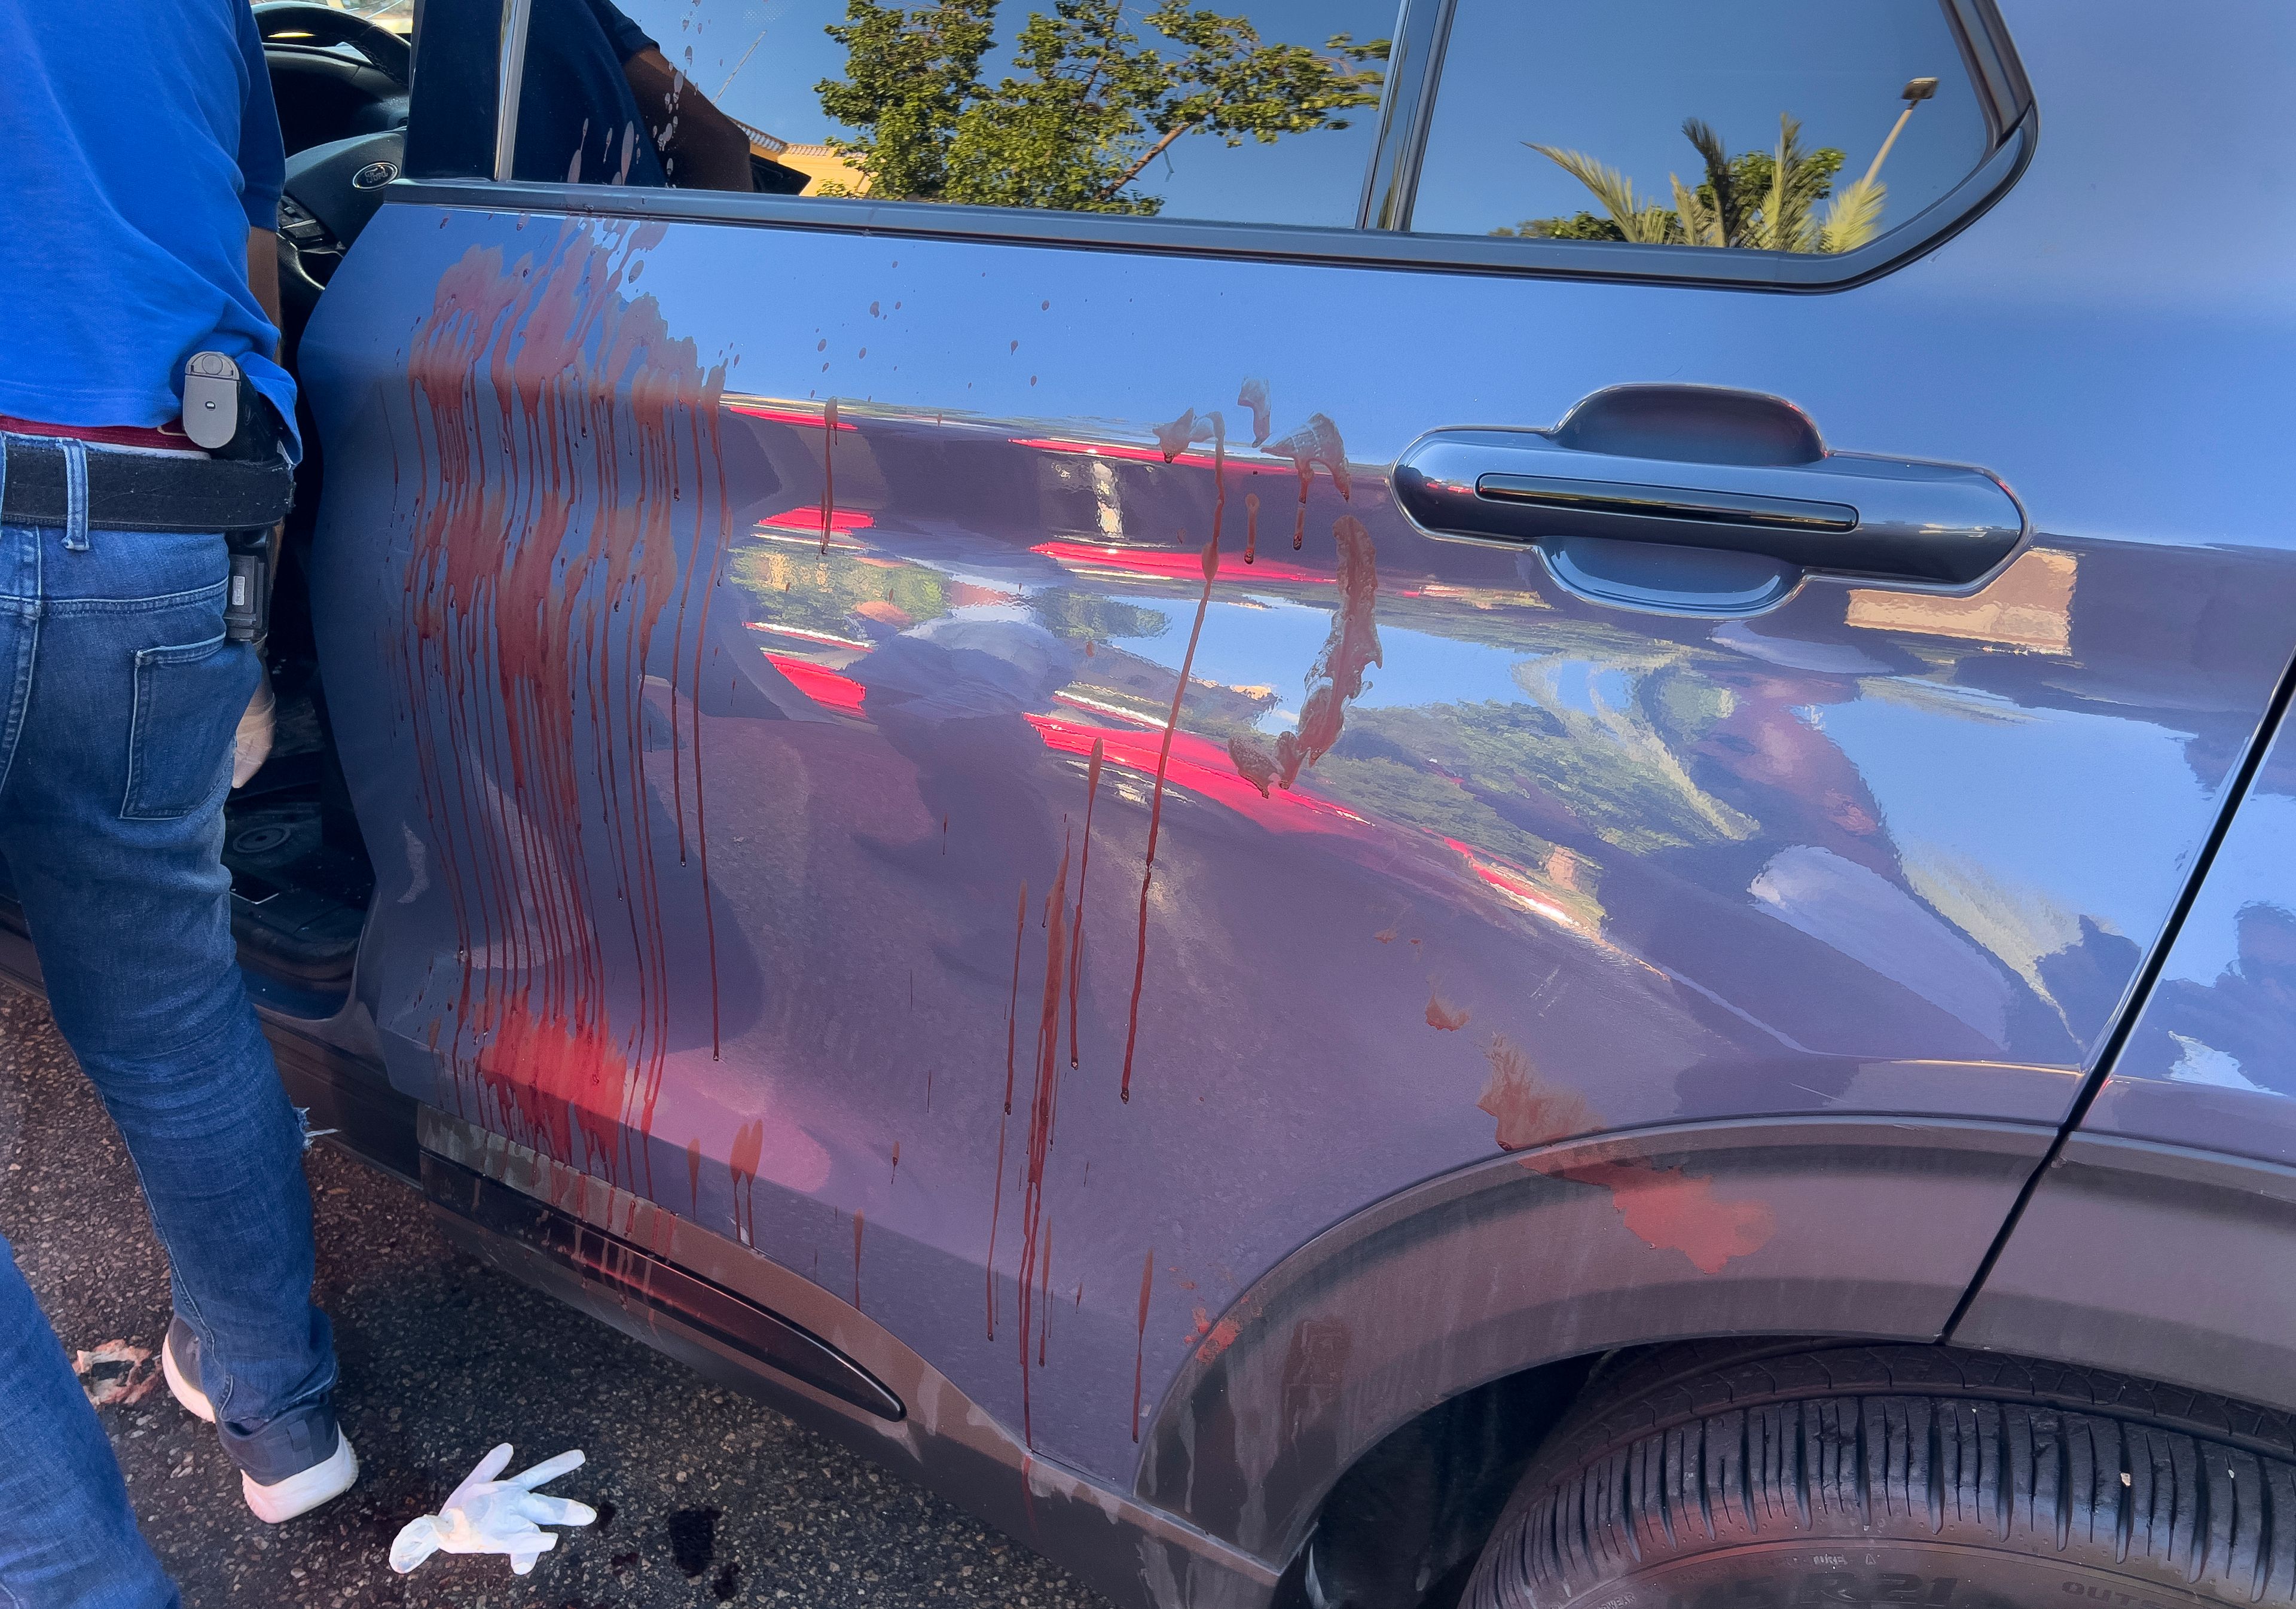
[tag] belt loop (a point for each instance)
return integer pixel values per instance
(75, 495)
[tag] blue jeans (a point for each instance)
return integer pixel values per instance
(119, 699)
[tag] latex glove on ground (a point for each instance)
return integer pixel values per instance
(487, 1516)
(252, 745)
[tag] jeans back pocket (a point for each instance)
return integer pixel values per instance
(188, 701)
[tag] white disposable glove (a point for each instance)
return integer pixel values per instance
(487, 1516)
(252, 744)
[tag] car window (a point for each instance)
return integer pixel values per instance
(1254, 111)
(1801, 126)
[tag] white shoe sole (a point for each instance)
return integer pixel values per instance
(301, 1493)
(281, 1500)
(194, 1400)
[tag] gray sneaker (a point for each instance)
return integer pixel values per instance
(327, 1475)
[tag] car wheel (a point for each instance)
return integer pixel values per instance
(1889, 1475)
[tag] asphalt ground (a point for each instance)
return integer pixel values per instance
(704, 1496)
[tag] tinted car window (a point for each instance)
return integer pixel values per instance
(1805, 125)
(1260, 110)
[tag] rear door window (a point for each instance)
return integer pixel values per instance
(1795, 126)
(1257, 110)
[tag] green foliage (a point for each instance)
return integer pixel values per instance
(1762, 200)
(909, 76)
(1080, 616)
(1581, 225)
(791, 584)
(1092, 106)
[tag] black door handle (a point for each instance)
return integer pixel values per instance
(1841, 514)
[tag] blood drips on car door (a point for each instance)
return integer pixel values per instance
(571, 515)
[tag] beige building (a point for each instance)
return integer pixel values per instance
(820, 164)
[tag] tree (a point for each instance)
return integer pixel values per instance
(1094, 106)
(1763, 200)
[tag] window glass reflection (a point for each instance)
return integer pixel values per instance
(1803, 125)
(1263, 112)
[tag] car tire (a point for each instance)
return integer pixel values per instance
(1700, 1478)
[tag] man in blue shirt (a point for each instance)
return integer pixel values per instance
(141, 171)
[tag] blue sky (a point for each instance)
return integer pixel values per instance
(1615, 79)
(1311, 178)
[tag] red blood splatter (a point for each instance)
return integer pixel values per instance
(1012, 1028)
(1140, 1349)
(829, 469)
(1673, 1210)
(1440, 1013)
(1219, 1338)
(1156, 809)
(1040, 1123)
(897, 1160)
(857, 1261)
(1351, 648)
(1045, 1327)
(1253, 763)
(1317, 441)
(565, 445)
(1253, 395)
(1084, 869)
(693, 1173)
(749, 1145)
(1666, 1209)
(1530, 1109)
(1385, 935)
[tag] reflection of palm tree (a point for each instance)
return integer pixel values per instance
(1764, 201)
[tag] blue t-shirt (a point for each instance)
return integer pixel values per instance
(141, 146)
(579, 122)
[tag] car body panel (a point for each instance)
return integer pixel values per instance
(2210, 1062)
(2162, 1261)
(720, 620)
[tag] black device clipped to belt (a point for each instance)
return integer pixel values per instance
(229, 417)
(242, 488)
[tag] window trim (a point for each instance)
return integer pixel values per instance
(1422, 27)
(509, 79)
(2002, 88)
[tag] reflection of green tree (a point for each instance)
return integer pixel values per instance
(1093, 111)
(1763, 200)
(821, 592)
(1070, 612)
(1511, 778)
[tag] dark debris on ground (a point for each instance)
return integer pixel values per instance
(704, 1496)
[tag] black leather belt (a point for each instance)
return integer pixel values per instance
(145, 491)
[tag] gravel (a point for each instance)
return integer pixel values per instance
(704, 1497)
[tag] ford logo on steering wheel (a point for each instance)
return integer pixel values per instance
(374, 175)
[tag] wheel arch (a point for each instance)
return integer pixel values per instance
(1871, 1228)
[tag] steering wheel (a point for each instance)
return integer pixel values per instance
(315, 27)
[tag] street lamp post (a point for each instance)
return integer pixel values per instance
(1915, 91)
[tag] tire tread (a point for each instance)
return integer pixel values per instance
(1704, 1446)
